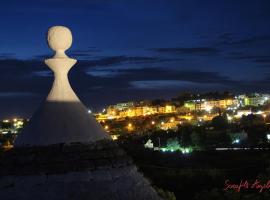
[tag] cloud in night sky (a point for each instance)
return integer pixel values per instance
(192, 50)
(172, 84)
(247, 41)
(6, 56)
(16, 94)
(118, 60)
(24, 75)
(260, 59)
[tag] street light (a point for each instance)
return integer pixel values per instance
(264, 116)
(208, 108)
(268, 137)
(236, 141)
(130, 127)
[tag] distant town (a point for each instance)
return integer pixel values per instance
(195, 110)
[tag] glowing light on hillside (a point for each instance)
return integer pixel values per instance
(114, 137)
(186, 151)
(268, 137)
(208, 108)
(236, 141)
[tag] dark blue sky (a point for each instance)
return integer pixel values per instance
(134, 49)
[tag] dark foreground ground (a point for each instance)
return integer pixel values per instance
(203, 175)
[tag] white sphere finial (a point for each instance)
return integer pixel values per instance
(59, 39)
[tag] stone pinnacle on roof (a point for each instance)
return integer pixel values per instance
(59, 39)
(62, 118)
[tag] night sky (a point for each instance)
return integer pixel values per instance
(132, 50)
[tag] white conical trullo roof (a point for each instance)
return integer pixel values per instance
(88, 166)
(62, 118)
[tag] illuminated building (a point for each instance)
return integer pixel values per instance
(123, 106)
(186, 117)
(240, 113)
(171, 124)
(131, 109)
(149, 110)
(170, 109)
(208, 105)
(111, 112)
(101, 117)
(11, 125)
(114, 137)
(255, 99)
(149, 144)
(161, 109)
(194, 104)
(139, 111)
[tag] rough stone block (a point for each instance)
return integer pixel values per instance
(101, 175)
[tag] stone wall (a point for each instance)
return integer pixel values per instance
(97, 171)
(63, 158)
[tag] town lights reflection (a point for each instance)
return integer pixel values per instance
(241, 148)
(187, 150)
